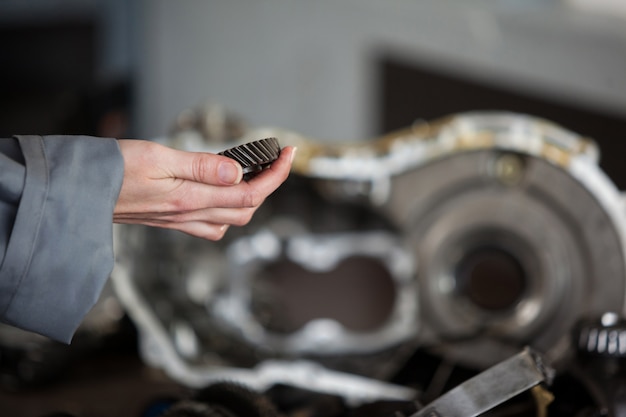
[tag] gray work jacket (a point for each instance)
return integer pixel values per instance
(57, 195)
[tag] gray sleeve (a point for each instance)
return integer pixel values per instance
(57, 195)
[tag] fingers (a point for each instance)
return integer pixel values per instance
(248, 194)
(278, 171)
(213, 169)
(205, 168)
(204, 230)
(253, 192)
(226, 216)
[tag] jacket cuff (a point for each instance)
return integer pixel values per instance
(60, 253)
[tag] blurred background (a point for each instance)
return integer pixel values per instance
(346, 70)
(340, 70)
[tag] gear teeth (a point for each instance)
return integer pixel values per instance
(254, 156)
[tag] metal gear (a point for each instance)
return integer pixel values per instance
(605, 337)
(254, 156)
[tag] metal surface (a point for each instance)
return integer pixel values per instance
(279, 329)
(516, 230)
(211, 334)
(254, 156)
(604, 336)
(601, 361)
(488, 232)
(490, 388)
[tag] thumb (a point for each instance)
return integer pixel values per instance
(206, 168)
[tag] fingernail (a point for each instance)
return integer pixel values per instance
(293, 154)
(229, 172)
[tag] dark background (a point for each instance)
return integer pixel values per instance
(49, 82)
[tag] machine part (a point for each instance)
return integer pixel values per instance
(223, 399)
(254, 156)
(543, 398)
(512, 232)
(516, 230)
(207, 300)
(206, 124)
(292, 401)
(195, 409)
(492, 387)
(510, 256)
(603, 337)
(237, 399)
(159, 348)
(601, 364)
(301, 316)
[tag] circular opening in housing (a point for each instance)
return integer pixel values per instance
(491, 278)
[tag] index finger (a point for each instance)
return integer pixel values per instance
(279, 169)
(249, 193)
(268, 180)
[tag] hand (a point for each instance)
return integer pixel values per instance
(197, 193)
